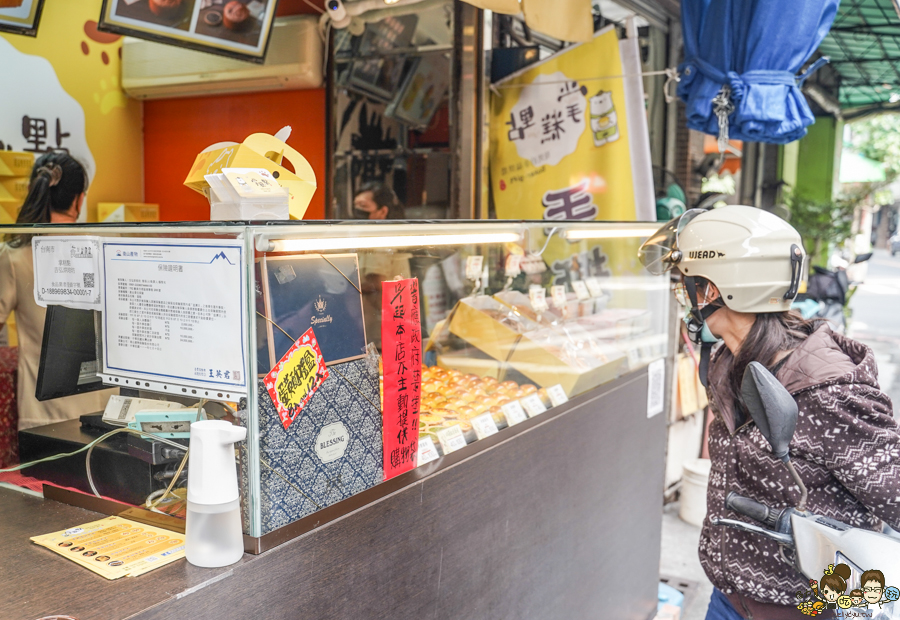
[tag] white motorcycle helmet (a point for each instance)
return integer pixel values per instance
(753, 257)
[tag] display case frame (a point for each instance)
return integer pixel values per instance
(263, 239)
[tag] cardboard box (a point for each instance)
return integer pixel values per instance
(470, 361)
(127, 212)
(15, 187)
(259, 150)
(13, 191)
(477, 320)
(8, 212)
(309, 478)
(544, 365)
(16, 164)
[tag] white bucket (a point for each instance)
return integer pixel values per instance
(693, 491)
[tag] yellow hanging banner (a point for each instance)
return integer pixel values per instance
(559, 137)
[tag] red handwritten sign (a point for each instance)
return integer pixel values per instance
(401, 354)
(296, 377)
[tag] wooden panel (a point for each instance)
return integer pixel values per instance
(533, 528)
(38, 583)
(562, 521)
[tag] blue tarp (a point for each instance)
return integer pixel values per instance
(756, 48)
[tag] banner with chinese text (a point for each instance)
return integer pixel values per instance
(296, 377)
(401, 354)
(565, 138)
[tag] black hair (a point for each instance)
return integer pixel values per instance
(771, 334)
(57, 180)
(384, 196)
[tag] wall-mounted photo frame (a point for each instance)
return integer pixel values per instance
(20, 16)
(423, 91)
(235, 28)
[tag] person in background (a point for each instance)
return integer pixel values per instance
(55, 196)
(376, 201)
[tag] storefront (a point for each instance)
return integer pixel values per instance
(525, 463)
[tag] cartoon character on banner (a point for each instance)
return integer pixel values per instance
(604, 124)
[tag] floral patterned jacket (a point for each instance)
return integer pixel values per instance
(846, 449)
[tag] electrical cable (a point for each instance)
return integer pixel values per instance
(171, 484)
(314, 6)
(90, 445)
(547, 242)
(90, 449)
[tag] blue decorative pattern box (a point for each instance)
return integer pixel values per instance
(331, 451)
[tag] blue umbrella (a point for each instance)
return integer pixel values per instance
(741, 60)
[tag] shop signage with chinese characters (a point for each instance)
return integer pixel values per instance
(294, 380)
(561, 140)
(401, 346)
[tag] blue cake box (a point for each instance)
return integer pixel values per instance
(333, 449)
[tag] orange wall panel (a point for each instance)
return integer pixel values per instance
(175, 130)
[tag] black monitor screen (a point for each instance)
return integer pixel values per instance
(69, 360)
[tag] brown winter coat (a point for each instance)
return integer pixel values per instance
(846, 449)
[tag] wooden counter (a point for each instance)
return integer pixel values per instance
(559, 518)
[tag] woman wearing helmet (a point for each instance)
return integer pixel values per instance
(741, 268)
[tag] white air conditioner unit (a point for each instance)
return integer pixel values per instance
(157, 71)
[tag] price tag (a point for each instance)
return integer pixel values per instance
(514, 412)
(533, 264)
(427, 451)
(581, 290)
(513, 265)
(451, 439)
(558, 295)
(557, 395)
(484, 426)
(537, 294)
(593, 285)
(634, 358)
(533, 405)
(473, 267)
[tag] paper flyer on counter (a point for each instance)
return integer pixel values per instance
(116, 547)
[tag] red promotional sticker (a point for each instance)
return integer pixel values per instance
(296, 377)
(401, 355)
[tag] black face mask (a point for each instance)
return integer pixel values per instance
(359, 214)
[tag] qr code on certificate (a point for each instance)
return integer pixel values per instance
(89, 280)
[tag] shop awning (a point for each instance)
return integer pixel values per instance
(864, 47)
(739, 76)
(856, 168)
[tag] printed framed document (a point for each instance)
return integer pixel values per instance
(318, 291)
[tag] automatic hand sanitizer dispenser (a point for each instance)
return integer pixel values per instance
(213, 534)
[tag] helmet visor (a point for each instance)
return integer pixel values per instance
(657, 253)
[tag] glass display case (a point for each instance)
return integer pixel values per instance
(515, 319)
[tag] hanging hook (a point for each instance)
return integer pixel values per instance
(672, 77)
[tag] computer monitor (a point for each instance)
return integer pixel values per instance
(69, 354)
